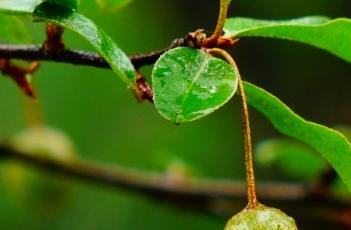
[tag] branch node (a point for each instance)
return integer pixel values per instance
(54, 42)
(143, 91)
(20, 75)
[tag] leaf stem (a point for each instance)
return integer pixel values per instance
(224, 5)
(54, 41)
(250, 173)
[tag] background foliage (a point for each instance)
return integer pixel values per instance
(107, 125)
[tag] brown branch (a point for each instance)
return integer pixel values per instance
(36, 53)
(142, 181)
(150, 182)
(205, 195)
(19, 75)
(77, 57)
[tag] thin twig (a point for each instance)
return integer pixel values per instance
(77, 57)
(19, 75)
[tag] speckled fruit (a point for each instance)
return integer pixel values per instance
(261, 218)
(35, 189)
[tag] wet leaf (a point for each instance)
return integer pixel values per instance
(189, 84)
(333, 36)
(21, 75)
(331, 144)
(107, 48)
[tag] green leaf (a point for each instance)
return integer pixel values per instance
(63, 16)
(331, 35)
(112, 5)
(189, 84)
(28, 6)
(333, 146)
(73, 4)
(13, 29)
(295, 159)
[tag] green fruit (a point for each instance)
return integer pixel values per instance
(34, 188)
(261, 218)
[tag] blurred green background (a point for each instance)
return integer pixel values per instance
(93, 107)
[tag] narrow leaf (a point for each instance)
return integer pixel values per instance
(333, 36)
(333, 146)
(189, 84)
(63, 16)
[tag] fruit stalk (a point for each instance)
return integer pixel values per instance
(250, 173)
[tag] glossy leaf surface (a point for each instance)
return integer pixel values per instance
(333, 36)
(189, 84)
(107, 48)
(333, 146)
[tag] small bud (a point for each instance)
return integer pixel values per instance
(261, 218)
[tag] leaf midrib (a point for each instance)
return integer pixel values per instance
(197, 76)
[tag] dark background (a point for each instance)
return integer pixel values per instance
(93, 107)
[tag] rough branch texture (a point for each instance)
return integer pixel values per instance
(36, 53)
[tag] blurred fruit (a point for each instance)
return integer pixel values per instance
(35, 189)
(261, 218)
